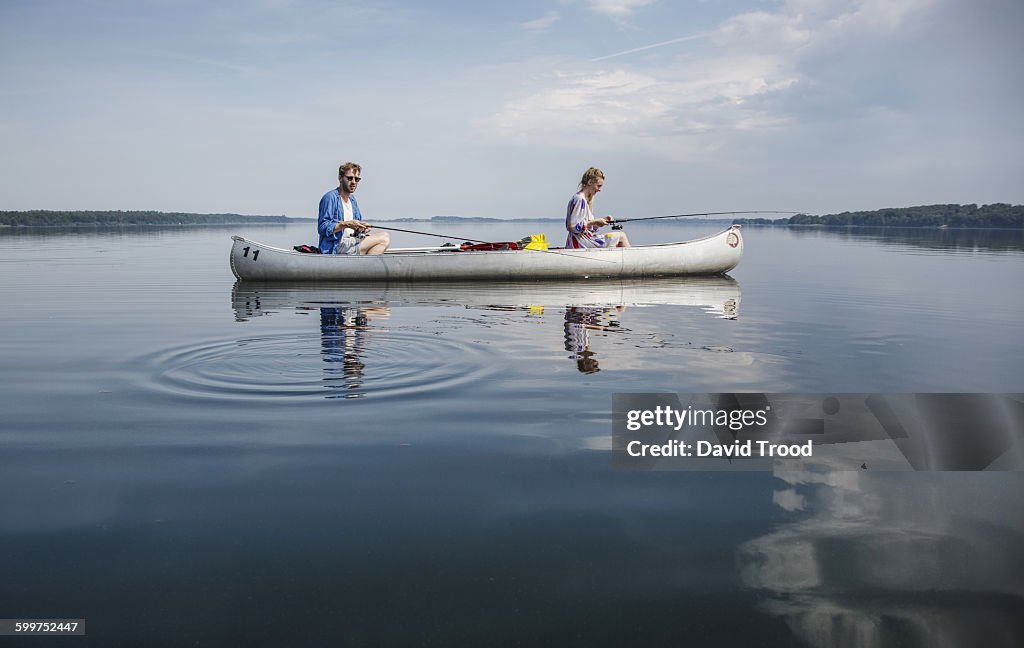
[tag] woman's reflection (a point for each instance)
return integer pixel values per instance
(579, 321)
(342, 333)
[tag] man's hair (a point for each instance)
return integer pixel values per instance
(349, 166)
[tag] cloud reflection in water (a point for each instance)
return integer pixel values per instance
(894, 558)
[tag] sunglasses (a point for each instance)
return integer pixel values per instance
(351, 178)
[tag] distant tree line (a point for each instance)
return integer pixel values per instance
(995, 215)
(44, 218)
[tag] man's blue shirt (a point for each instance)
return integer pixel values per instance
(331, 213)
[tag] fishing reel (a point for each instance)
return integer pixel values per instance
(617, 226)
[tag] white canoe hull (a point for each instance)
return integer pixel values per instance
(712, 255)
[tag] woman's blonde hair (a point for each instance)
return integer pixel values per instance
(593, 173)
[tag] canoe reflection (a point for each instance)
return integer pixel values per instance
(718, 296)
(590, 308)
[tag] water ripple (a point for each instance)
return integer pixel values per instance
(299, 366)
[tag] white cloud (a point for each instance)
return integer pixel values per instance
(624, 107)
(617, 8)
(542, 23)
(605, 101)
(789, 500)
(799, 23)
(760, 70)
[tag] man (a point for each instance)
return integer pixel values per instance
(340, 224)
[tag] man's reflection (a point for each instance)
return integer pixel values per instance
(342, 333)
(579, 321)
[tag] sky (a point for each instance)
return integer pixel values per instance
(496, 109)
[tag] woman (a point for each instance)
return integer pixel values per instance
(580, 221)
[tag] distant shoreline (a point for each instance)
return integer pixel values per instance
(50, 219)
(995, 216)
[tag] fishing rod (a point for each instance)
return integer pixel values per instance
(469, 240)
(725, 213)
(444, 236)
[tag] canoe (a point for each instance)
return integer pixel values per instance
(711, 255)
(718, 296)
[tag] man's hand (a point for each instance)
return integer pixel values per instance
(356, 226)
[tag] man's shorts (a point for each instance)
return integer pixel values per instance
(348, 245)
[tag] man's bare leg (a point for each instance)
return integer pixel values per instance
(375, 243)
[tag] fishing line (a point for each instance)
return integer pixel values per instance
(726, 213)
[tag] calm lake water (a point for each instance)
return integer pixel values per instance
(189, 461)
